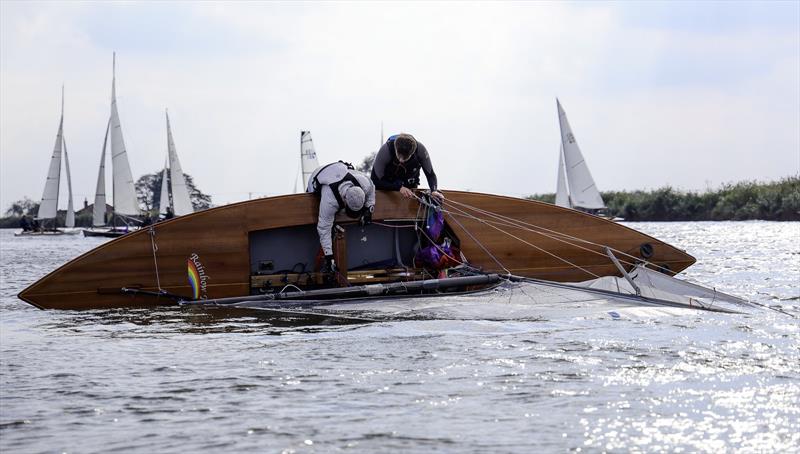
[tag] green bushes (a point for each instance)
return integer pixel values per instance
(775, 201)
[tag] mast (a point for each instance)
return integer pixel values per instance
(181, 203)
(69, 221)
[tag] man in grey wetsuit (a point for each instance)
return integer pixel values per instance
(340, 188)
(397, 165)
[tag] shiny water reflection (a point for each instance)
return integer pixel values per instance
(179, 379)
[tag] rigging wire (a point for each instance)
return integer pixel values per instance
(563, 235)
(152, 231)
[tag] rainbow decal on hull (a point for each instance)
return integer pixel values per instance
(194, 278)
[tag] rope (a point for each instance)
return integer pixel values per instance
(480, 244)
(391, 226)
(465, 214)
(554, 236)
(155, 259)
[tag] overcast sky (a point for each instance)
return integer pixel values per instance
(684, 94)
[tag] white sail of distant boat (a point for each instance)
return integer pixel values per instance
(124, 201)
(124, 194)
(163, 200)
(562, 197)
(99, 208)
(578, 189)
(69, 222)
(173, 182)
(48, 207)
(308, 156)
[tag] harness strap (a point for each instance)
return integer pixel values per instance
(316, 183)
(335, 188)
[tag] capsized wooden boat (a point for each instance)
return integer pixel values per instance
(265, 245)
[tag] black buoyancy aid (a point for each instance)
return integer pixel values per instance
(405, 172)
(335, 188)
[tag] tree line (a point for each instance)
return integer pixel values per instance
(749, 200)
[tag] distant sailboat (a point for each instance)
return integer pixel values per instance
(308, 159)
(125, 203)
(48, 207)
(575, 185)
(174, 192)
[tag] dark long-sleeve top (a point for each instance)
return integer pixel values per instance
(390, 174)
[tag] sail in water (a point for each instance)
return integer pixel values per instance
(48, 208)
(582, 192)
(174, 192)
(308, 156)
(125, 201)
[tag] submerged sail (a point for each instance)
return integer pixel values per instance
(181, 204)
(562, 198)
(582, 191)
(308, 157)
(49, 206)
(70, 220)
(125, 201)
(99, 209)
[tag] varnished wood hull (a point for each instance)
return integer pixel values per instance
(217, 242)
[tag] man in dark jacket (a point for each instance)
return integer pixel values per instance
(397, 165)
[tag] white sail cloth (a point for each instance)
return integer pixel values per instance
(125, 201)
(48, 207)
(69, 222)
(562, 197)
(99, 209)
(308, 156)
(181, 203)
(582, 190)
(124, 191)
(163, 200)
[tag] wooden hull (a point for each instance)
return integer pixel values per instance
(215, 246)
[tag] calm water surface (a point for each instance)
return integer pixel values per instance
(179, 380)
